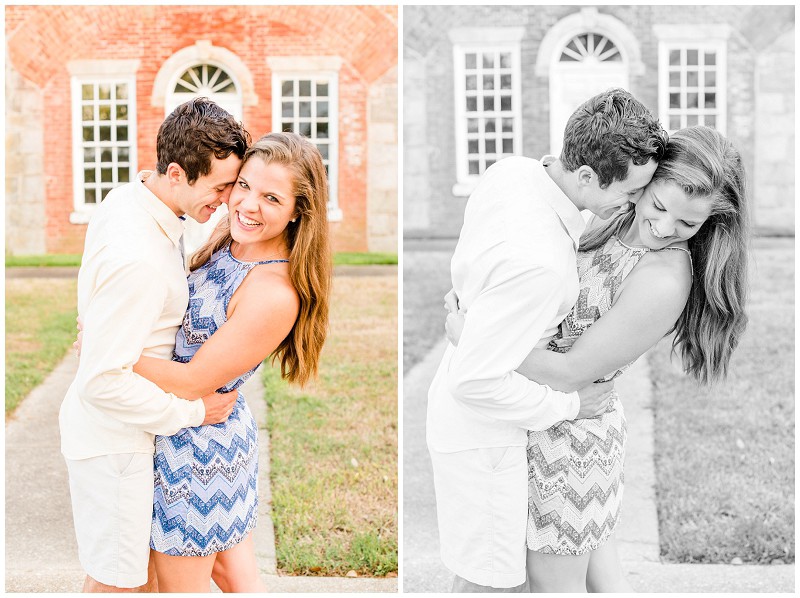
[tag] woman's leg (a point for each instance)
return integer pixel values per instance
(556, 572)
(605, 570)
(237, 570)
(183, 573)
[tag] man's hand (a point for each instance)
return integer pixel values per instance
(219, 406)
(594, 399)
(454, 324)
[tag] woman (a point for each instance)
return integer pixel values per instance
(676, 262)
(258, 288)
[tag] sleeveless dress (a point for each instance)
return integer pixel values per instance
(206, 477)
(575, 468)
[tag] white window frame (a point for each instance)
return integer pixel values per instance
(319, 69)
(703, 38)
(110, 72)
(466, 41)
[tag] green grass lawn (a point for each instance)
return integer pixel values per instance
(333, 445)
(725, 456)
(40, 328)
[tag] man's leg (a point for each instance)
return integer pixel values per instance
(112, 501)
(482, 507)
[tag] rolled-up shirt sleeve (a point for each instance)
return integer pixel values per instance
(502, 325)
(118, 317)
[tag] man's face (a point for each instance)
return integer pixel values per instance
(201, 199)
(605, 202)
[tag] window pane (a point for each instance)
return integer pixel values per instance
(472, 125)
(691, 120)
(104, 110)
(488, 103)
(472, 104)
(674, 57)
(105, 155)
(288, 109)
(89, 196)
(305, 109)
(287, 127)
(491, 146)
(323, 150)
(471, 83)
(322, 109)
(322, 89)
(710, 100)
(322, 130)
(711, 120)
(489, 126)
(88, 133)
(508, 146)
(691, 57)
(692, 79)
(473, 167)
(87, 92)
(472, 146)
(710, 58)
(505, 81)
(488, 60)
(674, 100)
(287, 89)
(106, 175)
(711, 78)
(691, 100)
(105, 191)
(87, 113)
(470, 61)
(674, 78)
(488, 82)
(122, 91)
(304, 129)
(123, 154)
(123, 175)
(88, 154)
(122, 112)
(122, 133)
(505, 60)
(104, 91)
(505, 103)
(305, 88)
(489, 163)
(508, 124)
(88, 175)
(674, 122)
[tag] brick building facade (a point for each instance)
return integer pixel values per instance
(88, 86)
(482, 82)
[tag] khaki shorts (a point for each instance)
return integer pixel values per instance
(482, 508)
(112, 505)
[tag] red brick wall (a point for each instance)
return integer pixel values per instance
(41, 40)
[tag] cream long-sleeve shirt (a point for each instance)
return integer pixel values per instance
(515, 275)
(132, 295)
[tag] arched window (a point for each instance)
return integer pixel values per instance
(206, 80)
(590, 47)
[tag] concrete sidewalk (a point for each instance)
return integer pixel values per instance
(638, 528)
(41, 553)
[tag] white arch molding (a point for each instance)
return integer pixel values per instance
(573, 81)
(168, 94)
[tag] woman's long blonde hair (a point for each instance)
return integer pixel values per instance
(310, 264)
(705, 165)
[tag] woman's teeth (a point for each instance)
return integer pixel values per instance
(246, 221)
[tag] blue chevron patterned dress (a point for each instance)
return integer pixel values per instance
(206, 478)
(575, 477)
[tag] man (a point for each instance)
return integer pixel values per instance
(514, 273)
(132, 296)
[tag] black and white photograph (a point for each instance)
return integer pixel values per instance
(598, 298)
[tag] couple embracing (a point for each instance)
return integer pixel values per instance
(525, 430)
(161, 447)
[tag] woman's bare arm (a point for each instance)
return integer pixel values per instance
(262, 313)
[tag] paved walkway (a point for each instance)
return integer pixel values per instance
(638, 529)
(41, 553)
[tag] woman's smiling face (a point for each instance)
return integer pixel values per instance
(666, 215)
(262, 203)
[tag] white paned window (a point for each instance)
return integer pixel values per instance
(692, 75)
(206, 80)
(307, 103)
(104, 139)
(488, 108)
